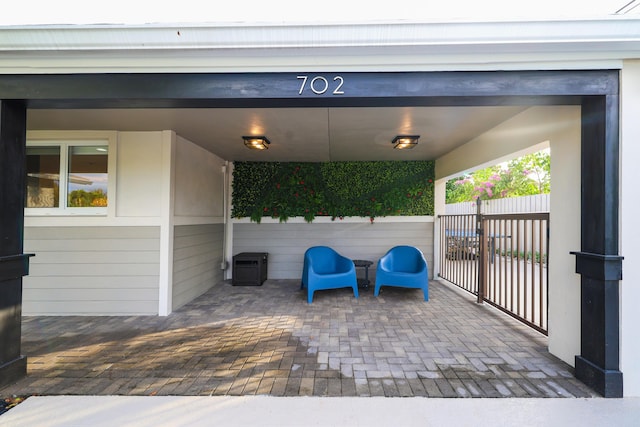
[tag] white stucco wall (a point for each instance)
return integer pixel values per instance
(630, 227)
(564, 222)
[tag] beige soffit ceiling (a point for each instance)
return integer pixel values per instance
(296, 134)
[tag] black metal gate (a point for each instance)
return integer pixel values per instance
(502, 259)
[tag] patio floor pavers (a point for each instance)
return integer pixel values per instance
(266, 340)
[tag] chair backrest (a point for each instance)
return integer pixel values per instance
(322, 258)
(406, 259)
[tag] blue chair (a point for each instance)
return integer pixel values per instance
(324, 268)
(403, 266)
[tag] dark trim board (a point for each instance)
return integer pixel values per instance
(596, 91)
(284, 89)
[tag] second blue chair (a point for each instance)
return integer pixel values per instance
(324, 268)
(403, 266)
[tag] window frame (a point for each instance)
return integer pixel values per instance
(64, 145)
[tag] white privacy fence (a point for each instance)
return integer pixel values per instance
(523, 204)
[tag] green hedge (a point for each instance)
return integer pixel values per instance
(334, 189)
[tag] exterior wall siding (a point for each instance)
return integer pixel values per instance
(92, 271)
(197, 256)
(287, 242)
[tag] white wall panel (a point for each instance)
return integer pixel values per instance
(287, 242)
(199, 181)
(139, 174)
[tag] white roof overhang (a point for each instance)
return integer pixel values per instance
(377, 46)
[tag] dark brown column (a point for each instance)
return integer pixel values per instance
(598, 262)
(13, 263)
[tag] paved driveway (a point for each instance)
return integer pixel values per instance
(268, 341)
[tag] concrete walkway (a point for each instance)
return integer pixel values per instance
(160, 411)
(239, 341)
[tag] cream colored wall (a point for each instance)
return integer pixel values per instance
(139, 172)
(630, 227)
(199, 181)
(564, 221)
(537, 127)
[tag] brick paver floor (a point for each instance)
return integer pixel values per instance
(248, 340)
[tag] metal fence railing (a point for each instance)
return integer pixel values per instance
(459, 251)
(502, 259)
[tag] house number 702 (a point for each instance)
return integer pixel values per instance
(320, 85)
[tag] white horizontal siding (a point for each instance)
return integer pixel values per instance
(104, 294)
(92, 270)
(80, 282)
(92, 308)
(95, 243)
(89, 257)
(197, 256)
(286, 242)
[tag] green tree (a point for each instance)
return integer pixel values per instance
(531, 174)
(524, 176)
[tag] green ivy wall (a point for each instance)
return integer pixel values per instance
(334, 189)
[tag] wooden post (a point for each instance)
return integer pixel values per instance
(13, 263)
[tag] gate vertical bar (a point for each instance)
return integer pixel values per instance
(541, 270)
(482, 280)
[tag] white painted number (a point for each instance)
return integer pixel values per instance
(320, 85)
(304, 82)
(338, 90)
(322, 89)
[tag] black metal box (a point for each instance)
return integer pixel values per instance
(249, 268)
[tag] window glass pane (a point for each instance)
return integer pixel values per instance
(43, 177)
(87, 177)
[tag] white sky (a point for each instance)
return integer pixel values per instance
(27, 12)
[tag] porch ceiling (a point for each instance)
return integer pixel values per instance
(296, 134)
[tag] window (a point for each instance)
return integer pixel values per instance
(67, 177)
